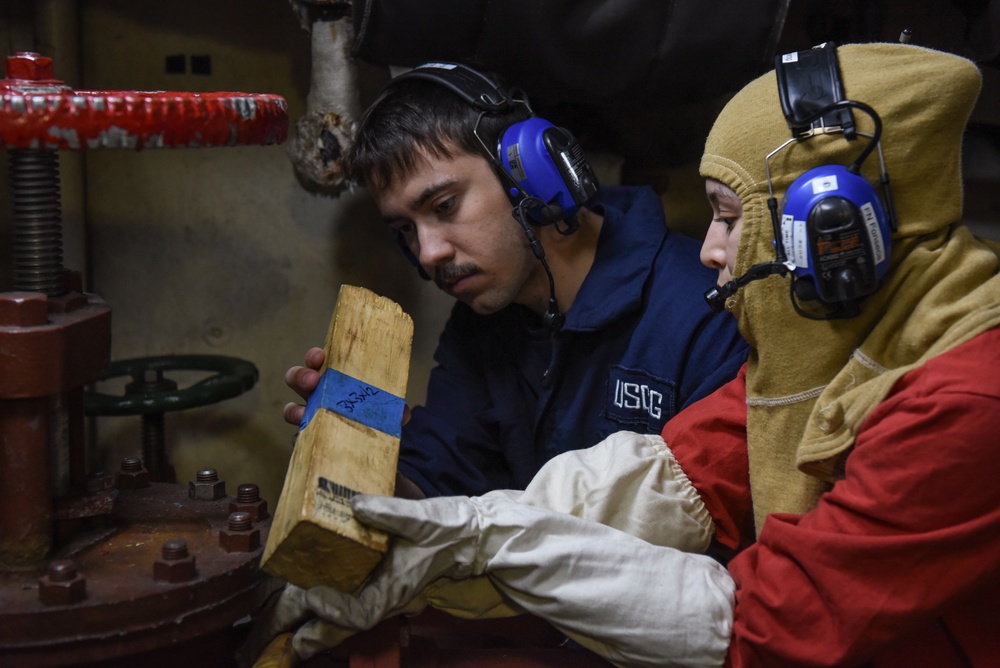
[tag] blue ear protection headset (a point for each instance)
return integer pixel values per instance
(836, 232)
(543, 168)
(833, 232)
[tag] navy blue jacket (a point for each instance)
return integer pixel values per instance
(638, 345)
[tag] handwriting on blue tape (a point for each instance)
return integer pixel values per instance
(355, 400)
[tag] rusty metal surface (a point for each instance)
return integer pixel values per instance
(49, 348)
(25, 497)
(67, 346)
(126, 611)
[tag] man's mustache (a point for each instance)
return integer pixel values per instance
(448, 272)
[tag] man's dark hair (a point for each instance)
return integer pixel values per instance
(420, 115)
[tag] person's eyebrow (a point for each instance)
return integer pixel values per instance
(422, 198)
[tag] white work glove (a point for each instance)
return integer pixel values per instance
(628, 481)
(634, 603)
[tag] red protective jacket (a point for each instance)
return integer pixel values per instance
(897, 565)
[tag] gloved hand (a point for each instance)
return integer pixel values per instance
(294, 608)
(634, 603)
(396, 586)
(284, 610)
(628, 481)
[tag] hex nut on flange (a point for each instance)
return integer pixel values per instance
(248, 500)
(241, 535)
(132, 474)
(206, 486)
(62, 584)
(175, 563)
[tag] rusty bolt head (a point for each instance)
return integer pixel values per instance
(206, 486)
(175, 563)
(62, 584)
(131, 464)
(174, 549)
(132, 474)
(29, 66)
(240, 535)
(248, 500)
(248, 492)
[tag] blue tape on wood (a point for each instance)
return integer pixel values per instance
(356, 400)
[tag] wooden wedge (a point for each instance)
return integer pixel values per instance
(348, 444)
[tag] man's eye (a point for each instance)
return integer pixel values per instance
(405, 230)
(444, 206)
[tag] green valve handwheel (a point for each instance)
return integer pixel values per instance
(149, 392)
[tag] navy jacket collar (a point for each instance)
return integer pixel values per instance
(634, 228)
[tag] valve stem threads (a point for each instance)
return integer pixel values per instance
(37, 244)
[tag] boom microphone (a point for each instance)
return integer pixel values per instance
(717, 296)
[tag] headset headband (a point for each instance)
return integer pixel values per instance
(474, 87)
(808, 84)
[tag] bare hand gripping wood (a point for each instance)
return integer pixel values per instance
(349, 444)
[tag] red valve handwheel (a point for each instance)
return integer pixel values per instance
(39, 112)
